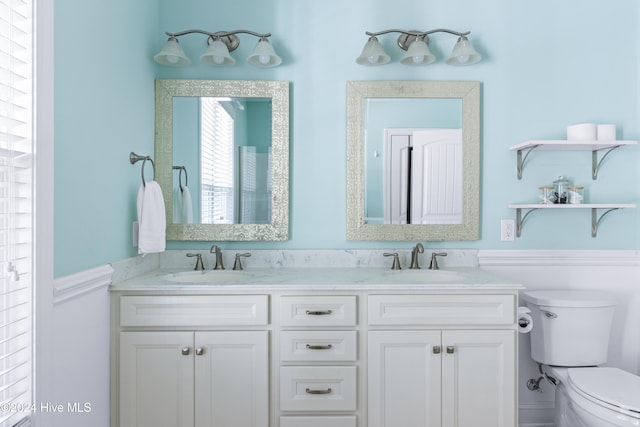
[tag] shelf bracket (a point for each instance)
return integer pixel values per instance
(595, 164)
(522, 160)
(595, 221)
(521, 219)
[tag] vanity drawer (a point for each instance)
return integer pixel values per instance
(344, 421)
(441, 309)
(318, 346)
(318, 388)
(194, 310)
(318, 311)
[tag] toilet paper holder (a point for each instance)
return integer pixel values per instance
(524, 320)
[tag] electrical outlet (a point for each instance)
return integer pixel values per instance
(507, 230)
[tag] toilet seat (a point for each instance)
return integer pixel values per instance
(612, 388)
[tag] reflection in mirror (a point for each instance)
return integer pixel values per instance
(222, 154)
(225, 144)
(413, 160)
(413, 174)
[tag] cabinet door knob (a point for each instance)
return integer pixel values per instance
(186, 351)
(436, 349)
(199, 351)
(450, 349)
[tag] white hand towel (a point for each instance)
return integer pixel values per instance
(177, 206)
(187, 206)
(151, 219)
(182, 206)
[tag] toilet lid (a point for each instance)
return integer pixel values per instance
(609, 385)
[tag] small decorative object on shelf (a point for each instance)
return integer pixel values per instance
(560, 190)
(546, 195)
(576, 194)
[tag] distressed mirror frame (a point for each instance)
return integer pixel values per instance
(357, 93)
(278, 92)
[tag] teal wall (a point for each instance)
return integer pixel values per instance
(104, 108)
(547, 64)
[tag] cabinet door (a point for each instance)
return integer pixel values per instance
(232, 379)
(404, 379)
(478, 388)
(156, 379)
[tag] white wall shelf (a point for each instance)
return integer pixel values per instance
(595, 220)
(564, 145)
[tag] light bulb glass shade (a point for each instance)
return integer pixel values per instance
(217, 54)
(172, 54)
(418, 53)
(373, 53)
(264, 55)
(463, 53)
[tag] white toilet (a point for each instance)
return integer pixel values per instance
(570, 337)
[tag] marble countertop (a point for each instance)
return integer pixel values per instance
(318, 279)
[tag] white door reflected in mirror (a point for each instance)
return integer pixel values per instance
(422, 176)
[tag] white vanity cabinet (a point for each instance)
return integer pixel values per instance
(190, 376)
(429, 370)
(334, 348)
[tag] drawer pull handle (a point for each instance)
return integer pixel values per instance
(436, 349)
(310, 391)
(199, 351)
(186, 351)
(319, 347)
(318, 312)
(450, 349)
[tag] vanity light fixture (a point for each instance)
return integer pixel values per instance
(219, 44)
(416, 45)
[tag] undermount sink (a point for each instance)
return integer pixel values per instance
(209, 276)
(428, 276)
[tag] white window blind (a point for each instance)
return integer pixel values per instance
(216, 162)
(16, 211)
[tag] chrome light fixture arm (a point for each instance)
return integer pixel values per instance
(418, 33)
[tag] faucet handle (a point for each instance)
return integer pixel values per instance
(396, 261)
(433, 265)
(199, 265)
(237, 265)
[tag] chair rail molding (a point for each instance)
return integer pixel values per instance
(75, 285)
(506, 258)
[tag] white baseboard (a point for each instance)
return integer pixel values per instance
(74, 285)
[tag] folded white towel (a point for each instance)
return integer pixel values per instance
(151, 219)
(182, 206)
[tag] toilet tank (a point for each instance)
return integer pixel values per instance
(570, 328)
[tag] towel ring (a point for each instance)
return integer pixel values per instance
(134, 158)
(186, 177)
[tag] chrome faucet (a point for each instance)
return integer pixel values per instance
(433, 265)
(418, 249)
(215, 249)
